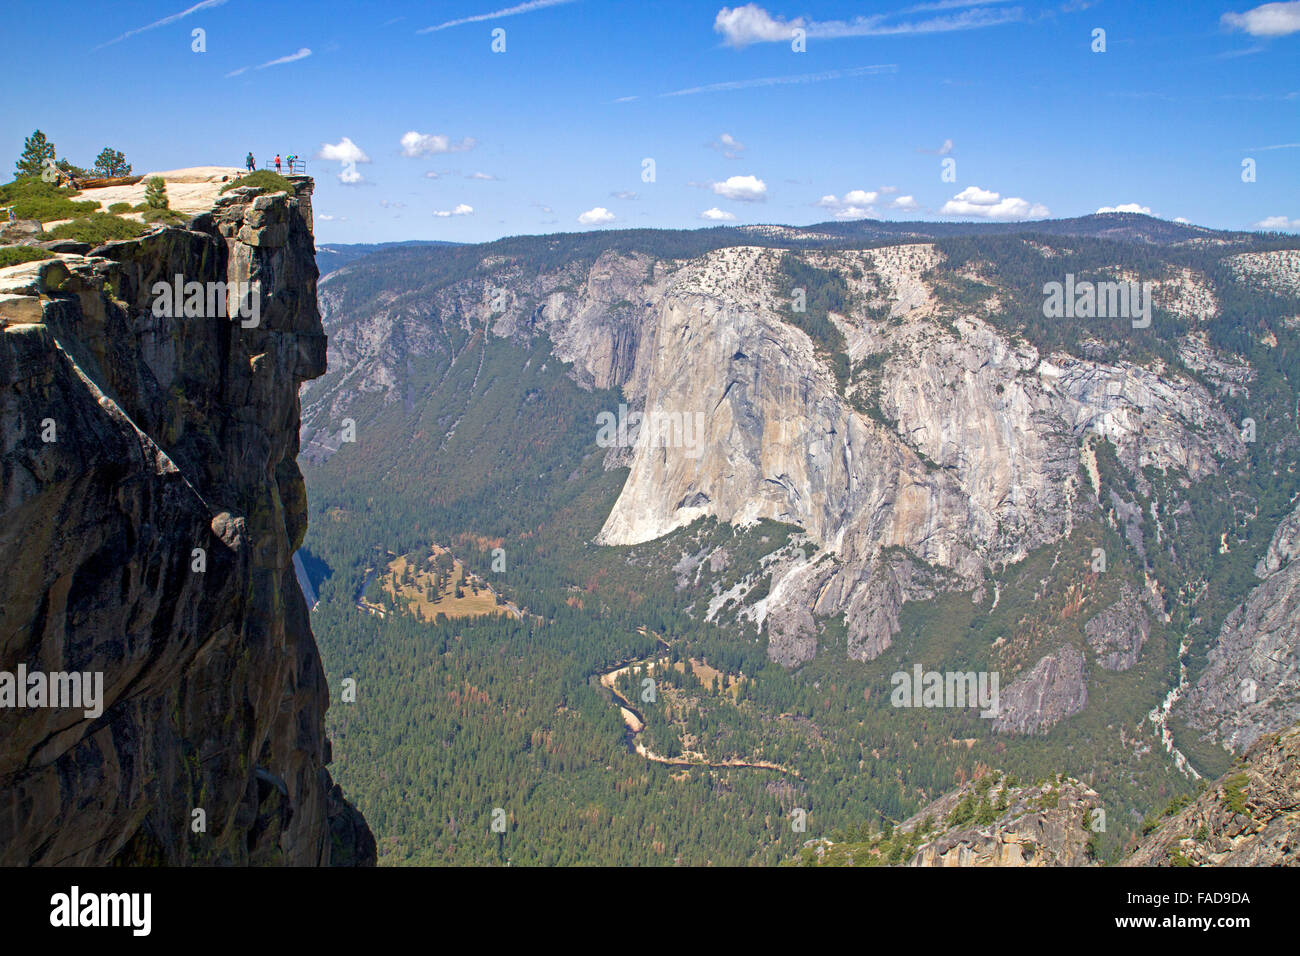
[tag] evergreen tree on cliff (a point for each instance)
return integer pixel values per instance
(111, 162)
(36, 150)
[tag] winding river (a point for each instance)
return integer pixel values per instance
(635, 722)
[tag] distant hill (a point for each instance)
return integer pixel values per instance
(329, 258)
(1128, 226)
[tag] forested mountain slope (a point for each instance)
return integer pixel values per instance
(859, 456)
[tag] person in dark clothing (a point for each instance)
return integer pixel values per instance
(250, 162)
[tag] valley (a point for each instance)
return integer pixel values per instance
(922, 468)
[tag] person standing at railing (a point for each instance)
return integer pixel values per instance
(277, 162)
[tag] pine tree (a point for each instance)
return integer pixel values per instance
(36, 150)
(111, 162)
(155, 193)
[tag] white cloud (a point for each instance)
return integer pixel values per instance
(943, 150)
(344, 151)
(742, 188)
(461, 210)
(750, 23)
(798, 78)
(205, 5)
(907, 203)
(1126, 207)
(302, 54)
(985, 204)
(1278, 224)
(498, 14)
(1184, 221)
(392, 205)
(1267, 20)
(717, 215)
(428, 144)
(728, 146)
(854, 212)
(856, 204)
(349, 154)
(860, 197)
(596, 217)
(483, 177)
(976, 195)
(624, 194)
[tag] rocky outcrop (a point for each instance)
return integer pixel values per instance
(1249, 817)
(986, 822)
(20, 231)
(1049, 692)
(1044, 825)
(151, 505)
(1116, 634)
(1251, 683)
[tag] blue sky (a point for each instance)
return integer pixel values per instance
(455, 141)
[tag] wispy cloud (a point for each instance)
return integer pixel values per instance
(742, 26)
(785, 80)
(291, 58)
(1278, 224)
(1266, 20)
(1260, 149)
(498, 14)
(728, 146)
(416, 144)
(204, 5)
(943, 150)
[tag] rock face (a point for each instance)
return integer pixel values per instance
(1251, 685)
(1249, 817)
(20, 231)
(151, 508)
(1050, 691)
(1046, 825)
(1117, 633)
(971, 461)
(986, 822)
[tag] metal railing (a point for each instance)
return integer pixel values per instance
(294, 167)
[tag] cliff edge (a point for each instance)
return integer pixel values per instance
(150, 507)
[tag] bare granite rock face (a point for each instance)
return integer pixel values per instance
(1050, 691)
(971, 462)
(985, 822)
(1249, 817)
(1251, 684)
(151, 504)
(1116, 634)
(1038, 826)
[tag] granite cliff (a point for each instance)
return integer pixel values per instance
(151, 508)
